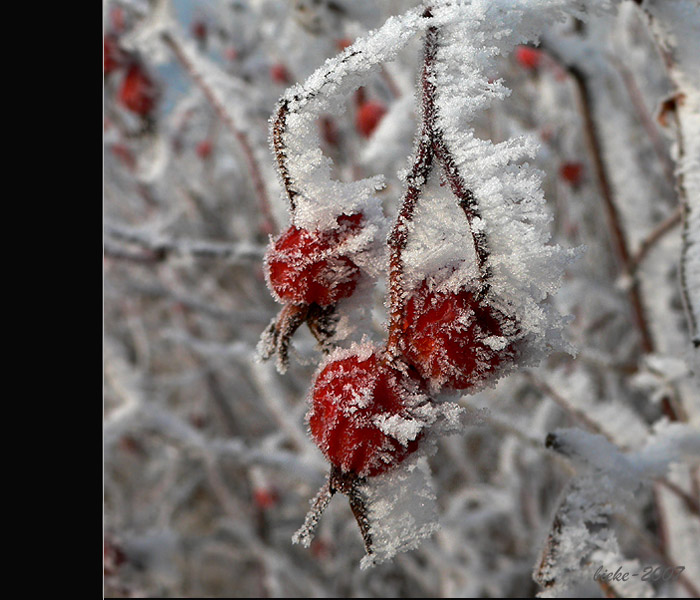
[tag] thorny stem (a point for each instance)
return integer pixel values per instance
(279, 128)
(269, 224)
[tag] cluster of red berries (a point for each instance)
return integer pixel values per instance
(449, 341)
(369, 406)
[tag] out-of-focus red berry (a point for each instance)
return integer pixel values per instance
(199, 31)
(112, 557)
(455, 341)
(279, 74)
(350, 398)
(329, 131)
(571, 172)
(231, 53)
(304, 267)
(528, 58)
(368, 116)
(123, 153)
(343, 43)
(264, 498)
(118, 20)
(113, 58)
(204, 149)
(138, 91)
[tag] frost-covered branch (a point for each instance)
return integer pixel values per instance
(161, 247)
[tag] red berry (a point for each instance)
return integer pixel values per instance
(264, 498)
(112, 557)
(529, 58)
(204, 149)
(279, 74)
(118, 20)
(304, 268)
(138, 92)
(455, 341)
(571, 172)
(231, 53)
(113, 58)
(343, 43)
(351, 397)
(329, 131)
(368, 116)
(123, 153)
(199, 30)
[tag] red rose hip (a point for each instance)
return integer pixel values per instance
(138, 91)
(351, 398)
(305, 267)
(369, 114)
(454, 340)
(528, 58)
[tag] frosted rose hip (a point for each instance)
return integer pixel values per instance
(369, 114)
(455, 341)
(305, 268)
(138, 91)
(350, 398)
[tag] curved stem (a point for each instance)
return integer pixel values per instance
(416, 180)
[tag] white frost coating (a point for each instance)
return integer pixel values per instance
(402, 510)
(677, 23)
(147, 36)
(321, 199)
(581, 538)
(668, 443)
(525, 267)
(393, 136)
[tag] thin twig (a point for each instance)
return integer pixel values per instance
(162, 248)
(667, 225)
(617, 233)
(645, 118)
(575, 413)
(269, 225)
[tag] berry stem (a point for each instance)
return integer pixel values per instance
(279, 128)
(431, 144)
(349, 484)
(416, 180)
(469, 205)
(321, 500)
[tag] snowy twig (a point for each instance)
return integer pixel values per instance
(645, 118)
(269, 225)
(163, 247)
(575, 413)
(617, 232)
(667, 225)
